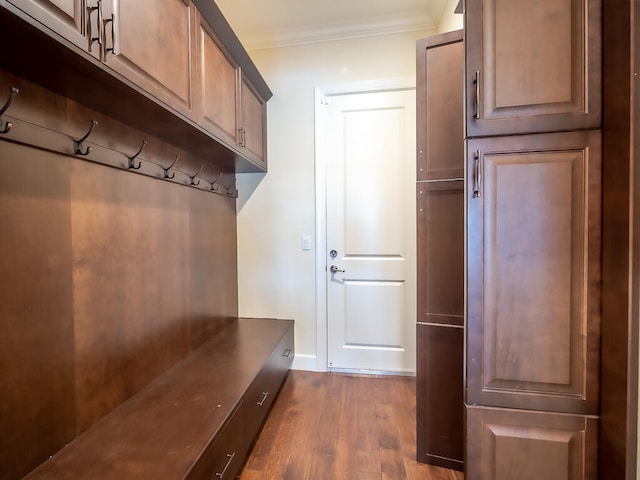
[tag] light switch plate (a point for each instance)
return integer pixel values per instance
(306, 243)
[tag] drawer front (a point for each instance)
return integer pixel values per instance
(225, 455)
(262, 392)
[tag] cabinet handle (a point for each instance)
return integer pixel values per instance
(476, 82)
(287, 353)
(230, 457)
(476, 174)
(113, 36)
(90, 36)
(100, 23)
(264, 398)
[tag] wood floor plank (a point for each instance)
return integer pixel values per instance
(338, 426)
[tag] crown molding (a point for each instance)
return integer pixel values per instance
(336, 31)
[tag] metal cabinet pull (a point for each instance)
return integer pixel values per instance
(230, 457)
(476, 174)
(100, 24)
(476, 82)
(112, 49)
(264, 398)
(287, 352)
(90, 36)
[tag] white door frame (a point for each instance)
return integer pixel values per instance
(321, 198)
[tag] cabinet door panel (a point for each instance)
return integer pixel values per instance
(538, 65)
(218, 87)
(65, 17)
(440, 227)
(440, 77)
(510, 444)
(152, 47)
(254, 122)
(439, 395)
(534, 272)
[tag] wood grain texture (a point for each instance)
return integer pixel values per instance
(621, 237)
(439, 395)
(534, 273)
(111, 277)
(439, 100)
(131, 284)
(213, 271)
(504, 444)
(341, 426)
(440, 231)
(166, 428)
(217, 85)
(153, 48)
(37, 404)
(539, 72)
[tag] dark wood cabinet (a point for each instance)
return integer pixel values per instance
(149, 43)
(217, 79)
(440, 228)
(440, 113)
(440, 250)
(228, 105)
(534, 221)
(174, 66)
(252, 124)
(532, 66)
(439, 391)
(518, 444)
(70, 19)
(534, 248)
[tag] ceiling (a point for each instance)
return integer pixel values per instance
(278, 23)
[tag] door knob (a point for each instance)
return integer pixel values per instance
(335, 269)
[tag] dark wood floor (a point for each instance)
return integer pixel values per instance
(328, 426)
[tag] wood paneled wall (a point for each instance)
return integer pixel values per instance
(107, 279)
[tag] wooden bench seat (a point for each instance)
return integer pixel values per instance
(195, 421)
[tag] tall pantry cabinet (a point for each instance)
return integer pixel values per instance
(533, 200)
(440, 241)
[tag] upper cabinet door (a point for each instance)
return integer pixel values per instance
(149, 42)
(71, 19)
(440, 112)
(534, 272)
(532, 66)
(253, 121)
(217, 86)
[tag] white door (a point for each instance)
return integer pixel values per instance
(370, 197)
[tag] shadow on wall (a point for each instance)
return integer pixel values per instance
(247, 183)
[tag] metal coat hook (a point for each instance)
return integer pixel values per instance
(78, 148)
(132, 164)
(215, 186)
(7, 126)
(231, 188)
(193, 178)
(166, 170)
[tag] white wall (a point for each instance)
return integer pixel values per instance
(277, 278)
(450, 21)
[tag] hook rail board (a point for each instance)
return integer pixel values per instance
(80, 146)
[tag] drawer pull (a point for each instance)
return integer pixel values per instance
(264, 397)
(230, 457)
(287, 353)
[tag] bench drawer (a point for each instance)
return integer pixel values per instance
(224, 457)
